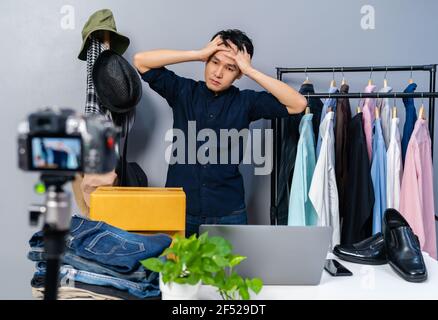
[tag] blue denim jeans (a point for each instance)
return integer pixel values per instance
(148, 287)
(193, 222)
(108, 246)
(69, 258)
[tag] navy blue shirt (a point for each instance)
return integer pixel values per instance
(212, 189)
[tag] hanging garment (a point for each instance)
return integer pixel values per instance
(394, 169)
(416, 196)
(301, 211)
(323, 192)
(368, 105)
(343, 118)
(329, 102)
(411, 118)
(92, 104)
(315, 106)
(385, 115)
(378, 176)
(357, 222)
(289, 142)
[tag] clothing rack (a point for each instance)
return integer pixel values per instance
(278, 123)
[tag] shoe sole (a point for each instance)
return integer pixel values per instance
(415, 279)
(359, 261)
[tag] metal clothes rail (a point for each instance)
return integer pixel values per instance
(278, 123)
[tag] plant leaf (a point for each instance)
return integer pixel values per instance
(208, 249)
(220, 261)
(193, 279)
(208, 280)
(168, 251)
(243, 291)
(209, 265)
(236, 259)
(153, 264)
(203, 237)
(222, 246)
(255, 284)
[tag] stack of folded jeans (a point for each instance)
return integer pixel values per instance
(101, 262)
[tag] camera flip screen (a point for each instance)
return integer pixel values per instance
(56, 153)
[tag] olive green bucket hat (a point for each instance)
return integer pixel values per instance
(99, 21)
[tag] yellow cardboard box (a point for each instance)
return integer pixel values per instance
(141, 210)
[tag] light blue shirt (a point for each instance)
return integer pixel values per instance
(301, 210)
(378, 176)
(329, 102)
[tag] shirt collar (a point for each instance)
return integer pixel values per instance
(307, 88)
(305, 121)
(411, 87)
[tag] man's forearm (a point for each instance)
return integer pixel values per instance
(293, 100)
(146, 60)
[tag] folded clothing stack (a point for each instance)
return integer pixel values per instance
(102, 260)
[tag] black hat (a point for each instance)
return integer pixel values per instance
(116, 82)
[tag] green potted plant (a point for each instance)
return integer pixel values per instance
(209, 260)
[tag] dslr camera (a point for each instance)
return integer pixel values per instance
(61, 142)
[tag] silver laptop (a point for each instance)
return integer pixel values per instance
(279, 255)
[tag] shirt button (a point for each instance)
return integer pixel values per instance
(203, 184)
(211, 116)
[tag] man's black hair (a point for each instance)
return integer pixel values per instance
(239, 38)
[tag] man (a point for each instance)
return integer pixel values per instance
(214, 191)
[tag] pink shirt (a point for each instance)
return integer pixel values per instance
(368, 109)
(416, 195)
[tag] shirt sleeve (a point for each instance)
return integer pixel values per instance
(265, 105)
(166, 83)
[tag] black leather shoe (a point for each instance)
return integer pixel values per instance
(369, 251)
(402, 247)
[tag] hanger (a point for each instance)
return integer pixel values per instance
(329, 108)
(411, 80)
(358, 110)
(385, 81)
(370, 81)
(307, 107)
(333, 82)
(307, 81)
(394, 108)
(377, 110)
(343, 78)
(421, 112)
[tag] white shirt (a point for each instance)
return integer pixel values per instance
(394, 170)
(323, 191)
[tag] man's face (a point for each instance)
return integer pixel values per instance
(220, 72)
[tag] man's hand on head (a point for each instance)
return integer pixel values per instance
(242, 58)
(212, 47)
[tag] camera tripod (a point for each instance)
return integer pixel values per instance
(57, 218)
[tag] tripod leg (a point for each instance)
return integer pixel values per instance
(54, 241)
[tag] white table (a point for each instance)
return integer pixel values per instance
(368, 282)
